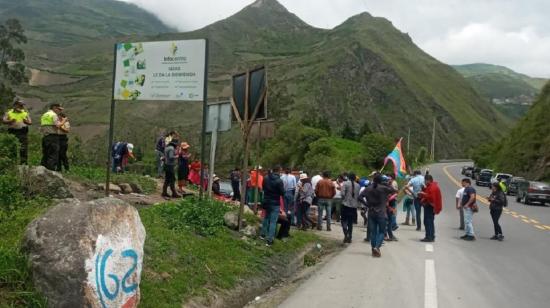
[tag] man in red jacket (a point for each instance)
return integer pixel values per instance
(433, 204)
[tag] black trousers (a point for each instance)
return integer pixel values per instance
(429, 226)
(236, 191)
(22, 136)
(349, 215)
(284, 230)
(63, 162)
(169, 180)
(495, 215)
(50, 151)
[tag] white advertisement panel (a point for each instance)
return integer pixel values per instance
(153, 71)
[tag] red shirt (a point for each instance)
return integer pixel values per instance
(432, 197)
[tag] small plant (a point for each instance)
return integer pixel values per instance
(204, 217)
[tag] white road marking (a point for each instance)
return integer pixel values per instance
(429, 248)
(430, 286)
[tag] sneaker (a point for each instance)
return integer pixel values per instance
(376, 252)
(500, 237)
(495, 237)
(464, 236)
(418, 229)
(393, 228)
(461, 228)
(406, 223)
(426, 240)
(470, 238)
(366, 239)
(269, 244)
(393, 239)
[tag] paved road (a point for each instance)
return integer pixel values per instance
(451, 272)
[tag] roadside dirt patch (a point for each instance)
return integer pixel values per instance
(44, 78)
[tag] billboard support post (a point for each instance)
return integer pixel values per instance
(204, 120)
(111, 129)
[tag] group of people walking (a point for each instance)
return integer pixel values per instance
(54, 126)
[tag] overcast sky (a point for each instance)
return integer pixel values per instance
(513, 33)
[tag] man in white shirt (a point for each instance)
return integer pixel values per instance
(458, 198)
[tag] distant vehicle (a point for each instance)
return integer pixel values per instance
(501, 177)
(475, 173)
(530, 192)
(226, 190)
(468, 171)
(512, 184)
(463, 170)
(484, 178)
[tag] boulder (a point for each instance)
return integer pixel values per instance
(250, 231)
(136, 188)
(87, 254)
(247, 210)
(231, 220)
(39, 181)
(125, 188)
(112, 188)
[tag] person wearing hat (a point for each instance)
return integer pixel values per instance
(63, 131)
(183, 164)
(121, 152)
(216, 186)
(304, 198)
(18, 120)
(49, 125)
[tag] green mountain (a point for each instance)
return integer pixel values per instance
(64, 22)
(511, 92)
(526, 150)
(363, 71)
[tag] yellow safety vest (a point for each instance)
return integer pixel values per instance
(19, 117)
(47, 118)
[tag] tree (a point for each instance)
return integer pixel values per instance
(376, 147)
(422, 155)
(365, 130)
(12, 71)
(349, 133)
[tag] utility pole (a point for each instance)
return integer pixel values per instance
(408, 141)
(433, 143)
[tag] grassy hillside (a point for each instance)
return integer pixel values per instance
(526, 151)
(63, 22)
(511, 92)
(364, 71)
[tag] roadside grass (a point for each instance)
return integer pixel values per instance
(16, 289)
(94, 175)
(181, 264)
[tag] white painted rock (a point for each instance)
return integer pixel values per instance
(87, 254)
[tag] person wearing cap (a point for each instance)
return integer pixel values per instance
(49, 125)
(183, 164)
(121, 151)
(63, 131)
(18, 120)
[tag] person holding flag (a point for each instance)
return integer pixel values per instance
(398, 160)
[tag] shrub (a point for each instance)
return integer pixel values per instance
(9, 151)
(204, 217)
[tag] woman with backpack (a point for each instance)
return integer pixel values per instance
(498, 202)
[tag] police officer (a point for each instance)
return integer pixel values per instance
(18, 120)
(50, 124)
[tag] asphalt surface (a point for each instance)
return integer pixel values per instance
(449, 273)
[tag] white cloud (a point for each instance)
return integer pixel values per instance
(503, 32)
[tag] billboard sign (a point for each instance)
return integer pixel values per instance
(155, 71)
(257, 85)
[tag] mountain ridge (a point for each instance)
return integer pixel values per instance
(362, 71)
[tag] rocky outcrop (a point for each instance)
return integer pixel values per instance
(87, 254)
(39, 181)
